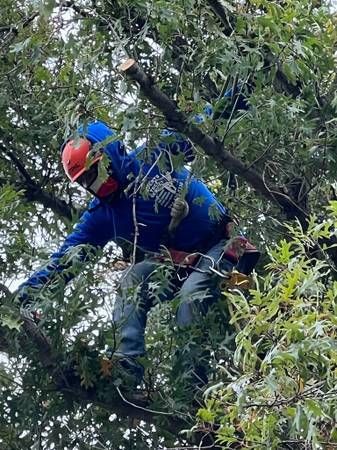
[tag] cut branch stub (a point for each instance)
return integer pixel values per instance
(127, 65)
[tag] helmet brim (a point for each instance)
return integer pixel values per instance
(74, 178)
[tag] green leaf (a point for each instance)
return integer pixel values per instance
(205, 415)
(47, 7)
(10, 322)
(20, 46)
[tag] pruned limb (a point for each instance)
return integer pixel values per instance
(210, 145)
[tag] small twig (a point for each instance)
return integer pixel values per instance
(148, 410)
(262, 154)
(141, 184)
(191, 448)
(135, 223)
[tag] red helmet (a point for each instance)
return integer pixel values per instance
(75, 158)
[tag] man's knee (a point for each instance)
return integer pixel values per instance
(193, 303)
(198, 293)
(186, 314)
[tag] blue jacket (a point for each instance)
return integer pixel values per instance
(103, 222)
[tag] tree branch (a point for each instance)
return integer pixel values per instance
(4, 289)
(134, 405)
(13, 30)
(18, 164)
(225, 16)
(33, 192)
(211, 146)
(23, 24)
(34, 342)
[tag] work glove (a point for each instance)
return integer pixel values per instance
(26, 298)
(179, 211)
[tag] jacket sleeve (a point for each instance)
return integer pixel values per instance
(79, 246)
(172, 144)
(175, 143)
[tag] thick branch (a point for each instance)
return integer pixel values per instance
(4, 289)
(36, 344)
(212, 147)
(40, 341)
(16, 161)
(135, 405)
(33, 192)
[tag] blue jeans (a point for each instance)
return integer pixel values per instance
(196, 292)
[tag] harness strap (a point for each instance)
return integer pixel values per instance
(237, 250)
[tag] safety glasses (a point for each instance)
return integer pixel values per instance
(88, 177)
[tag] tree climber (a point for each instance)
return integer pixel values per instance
(132, 207)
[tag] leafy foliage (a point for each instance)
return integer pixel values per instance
(285, 352)
(271, 352)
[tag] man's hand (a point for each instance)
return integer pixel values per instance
(179, 211)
